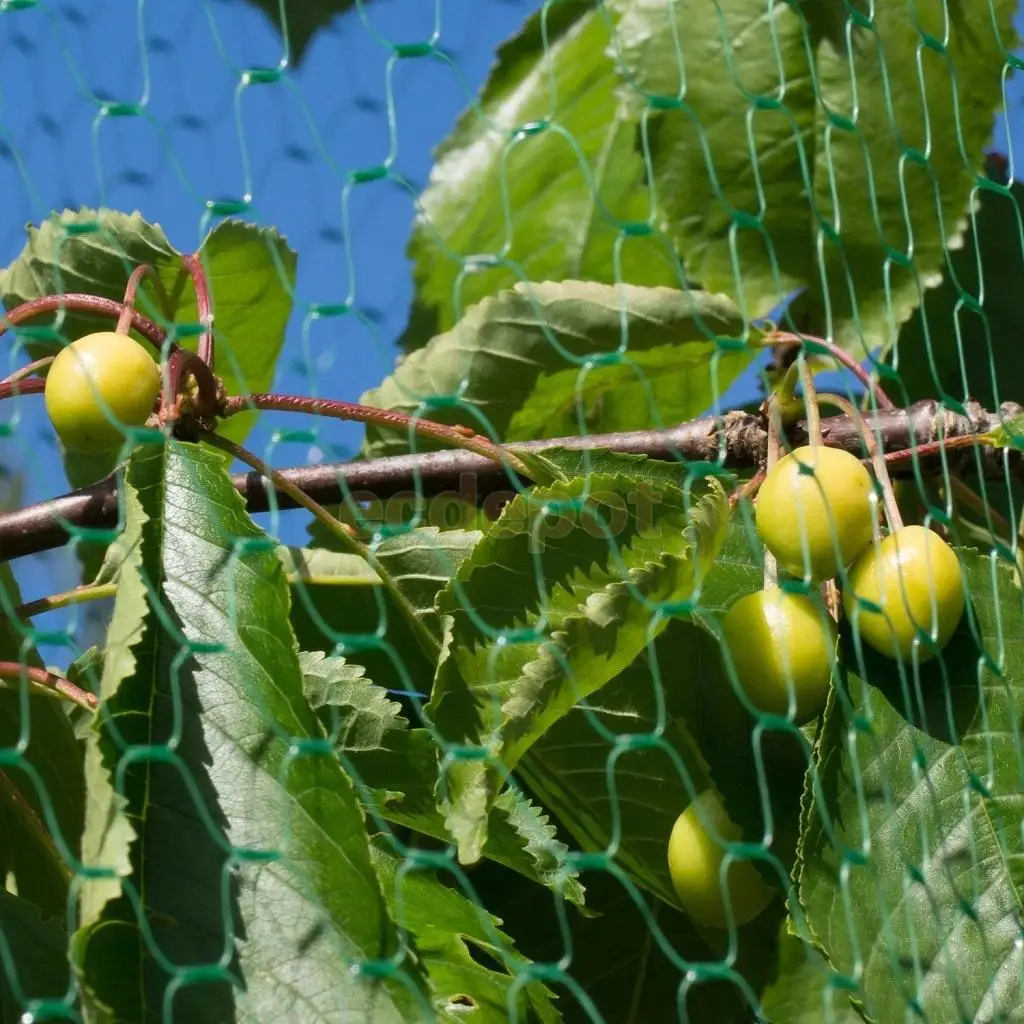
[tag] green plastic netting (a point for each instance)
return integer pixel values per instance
(389, 715)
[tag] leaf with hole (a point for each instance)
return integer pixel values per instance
(473, 968)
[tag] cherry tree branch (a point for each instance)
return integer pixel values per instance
(46, 683)
(736, 441)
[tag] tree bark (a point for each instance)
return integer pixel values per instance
(736, 440)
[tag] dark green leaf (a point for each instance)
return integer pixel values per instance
(961, 342)
(542, 172)
(560, 595)
(42, 793)
(397, 771)
(909, 862)
(33, 959)
(606, 793)
(302, 20)
(515, 361)
(805, 991)
(634, 960)
(247, 848)
(445, 924)
(330, 615)
(774, 134)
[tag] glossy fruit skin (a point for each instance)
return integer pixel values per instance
(910, 570)
(104, 365)
(781, 643)
(828, 509)
(694, 862)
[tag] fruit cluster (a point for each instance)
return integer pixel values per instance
(816, 513)
(902, 595)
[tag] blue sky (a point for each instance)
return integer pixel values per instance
(183, 60)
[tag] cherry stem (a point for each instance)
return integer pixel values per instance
(32, 386)
(829, 590)
(934, 447)
(341, 530)
(389, 419)
(748, 490)
(149, 329)
(124, 321)
(181, 364)
(771, 565)
(77, 595)
(813, 413)
(47, 683)
(28, 371)
(203, 307)
(878, 460)
(870, 381)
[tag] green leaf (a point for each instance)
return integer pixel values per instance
(560, 595)
(635, 960)
(244, 845)
(961, 341)
(515, 354)
(42, 792)
(363, 621)
(565, 463)
(805, 991)
(539, 179)
(250, 271)
(396, 769)
(33, 959)
(302, 20)
(421, 562)
(356, 714)
(445, 924)
(781, 146)
(608, 794)
(909, 863)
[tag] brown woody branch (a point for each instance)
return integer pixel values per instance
(736, 440)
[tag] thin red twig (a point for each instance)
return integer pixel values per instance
(124, 321)
(29, 370)
(203, 307)
(391, 419)
(840, 356)
(151, 331)
(15, 672)
(32, 386)
(923, 451)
